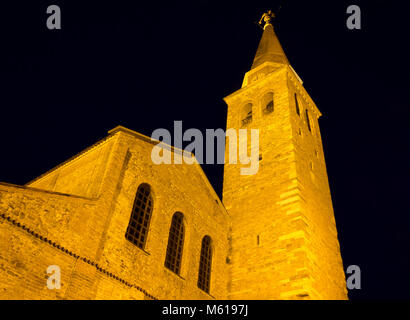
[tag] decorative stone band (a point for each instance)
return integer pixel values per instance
(65, 250)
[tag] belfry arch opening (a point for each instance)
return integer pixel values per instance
(247, 114)
(267, 103)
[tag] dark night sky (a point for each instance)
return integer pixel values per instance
(145, 64)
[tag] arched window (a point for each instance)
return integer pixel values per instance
(308, 120)
(175, 243)
(247, 114)
(297, 105)
(138, 225)
(267, 103)
(205, 262)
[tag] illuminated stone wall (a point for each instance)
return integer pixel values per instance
(84, 232)
(324, 263)
(83, 175)
(182, 188)
(283, 242)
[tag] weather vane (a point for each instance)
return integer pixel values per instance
(267, 18)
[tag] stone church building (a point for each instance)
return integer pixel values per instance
(118, 226)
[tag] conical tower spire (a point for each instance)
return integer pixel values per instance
(269, 48)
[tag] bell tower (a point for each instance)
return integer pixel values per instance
(283, 239)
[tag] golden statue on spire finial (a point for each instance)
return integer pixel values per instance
(267, 17)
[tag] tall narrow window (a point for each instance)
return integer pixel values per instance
(297, 105)
(205, 262)
(267, 102)
(175, 243)
(308, 120)
(247, 114)
(138, 225)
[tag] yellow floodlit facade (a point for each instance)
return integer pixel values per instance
(118, 226)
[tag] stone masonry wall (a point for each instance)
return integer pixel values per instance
(83, 175)
(182, 188)
(268, 258)
(283, 241)
(25, 256)
(327, 279)
(85, 237)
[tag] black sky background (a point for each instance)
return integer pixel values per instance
(145, 64)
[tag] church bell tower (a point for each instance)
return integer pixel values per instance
(283, 241)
